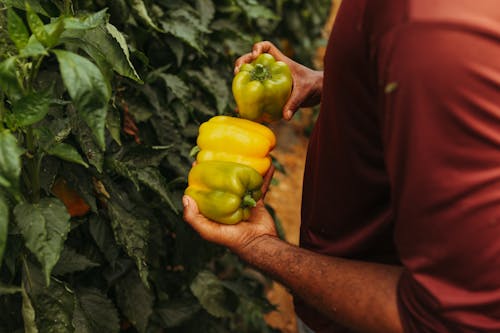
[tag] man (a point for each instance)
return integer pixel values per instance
(401, 202)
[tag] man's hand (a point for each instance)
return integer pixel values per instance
(307, 83)
(240, 237)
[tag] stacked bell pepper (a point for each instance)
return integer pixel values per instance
(233, 153)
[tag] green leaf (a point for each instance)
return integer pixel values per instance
(10, 162)
(71, 261)
(18, 32)
(88, 89)
(114, 125)
(87, 21)
(215, 299)
(176, 85)
(142, 157)
(8, 79)
(21, 4)
(103, 236)
(33, 49)
(28, 313)
(4, 227)
(213, 83)
(31, 108)
(182, 25)
(107, 46)
(94, 312)
(152, 178)
(177, 311)
(36, 25)
(54, 31)
(68, 153)
(141, 11)
(148, 176)
(256, 11)
(206, 8)
(182, 111)
(53, 305)
(131, 234)
(134, 300)
(177, 48)
(121, 60)
(44, 226)
(54, 132)
(88, 145)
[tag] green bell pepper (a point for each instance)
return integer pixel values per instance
(262, 88)
(224, 191)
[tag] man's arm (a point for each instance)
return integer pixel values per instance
(359, 295)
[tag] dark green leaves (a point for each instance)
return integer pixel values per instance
(135, 301)
(44, 226)
(215, 85)
(31, 108)
(70, 261)
(94, 312)
(52, 306)
(88, 89)
(68, 153)
(139, 7)
(132, 234)
(87, 21)
(36, 25)
(10, 162)
(9, 82)
(176, 312)
(17, 30)
(213, 296)
(187, 27)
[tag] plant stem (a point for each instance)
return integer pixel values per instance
(34, 73)
(33, 162)
(27, 270)
(33, 165)
(67, 7)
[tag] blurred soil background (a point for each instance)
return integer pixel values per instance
(285, 196)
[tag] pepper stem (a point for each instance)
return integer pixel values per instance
(260, 73)
(248, 201)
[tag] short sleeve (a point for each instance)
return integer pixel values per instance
(440, 121)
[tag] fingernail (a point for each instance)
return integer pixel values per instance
(185, 201)
(288, 114)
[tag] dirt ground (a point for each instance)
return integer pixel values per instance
(285, 197)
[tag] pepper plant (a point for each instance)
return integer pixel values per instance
(100, 103)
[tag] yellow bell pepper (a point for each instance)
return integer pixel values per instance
(224, 191)
(232, 139)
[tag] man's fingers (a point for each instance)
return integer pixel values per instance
(291, 106)
(267, 180)
(244, 59)
(257, 49)
(206, 228)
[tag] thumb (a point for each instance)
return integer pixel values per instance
(190, 208)
(209, 230)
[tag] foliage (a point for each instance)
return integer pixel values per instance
(106, 96)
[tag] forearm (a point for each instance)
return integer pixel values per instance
(357, 294)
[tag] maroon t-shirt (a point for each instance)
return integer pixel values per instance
(403, 164)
